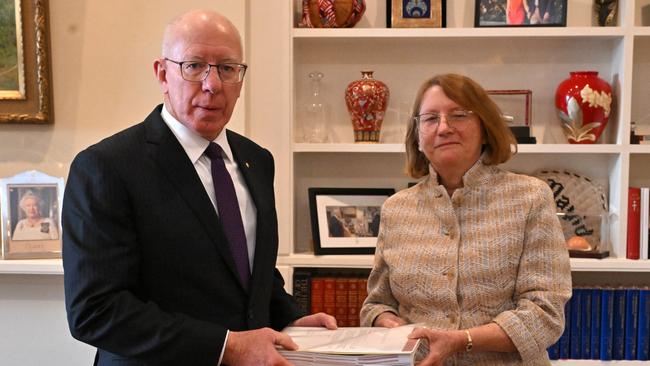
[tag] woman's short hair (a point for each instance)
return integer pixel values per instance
(27, 195)
(470, 95)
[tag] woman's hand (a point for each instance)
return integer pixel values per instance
(388, 320)
(442, 344)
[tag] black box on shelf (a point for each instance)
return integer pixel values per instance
(522, 134)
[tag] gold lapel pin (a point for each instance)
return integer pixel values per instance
(247, 165)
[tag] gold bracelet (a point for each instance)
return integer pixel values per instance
(470, 344)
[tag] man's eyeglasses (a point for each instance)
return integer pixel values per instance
(455, 119)
(229, 72)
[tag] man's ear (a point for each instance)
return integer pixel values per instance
(161, 74)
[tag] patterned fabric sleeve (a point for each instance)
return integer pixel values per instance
(543, 283)
(380, 298)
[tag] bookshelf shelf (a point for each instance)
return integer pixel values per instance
(327, 261)
(32, 266)
(381, 34)
(522, 149)
(365, 261)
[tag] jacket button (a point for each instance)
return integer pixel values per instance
(250, 314)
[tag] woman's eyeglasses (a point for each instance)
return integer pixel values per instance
(454, 119)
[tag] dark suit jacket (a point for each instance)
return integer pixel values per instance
(149, 278)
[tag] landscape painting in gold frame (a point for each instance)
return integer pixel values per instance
(27, 97)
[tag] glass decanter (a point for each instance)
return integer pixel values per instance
(315, 123)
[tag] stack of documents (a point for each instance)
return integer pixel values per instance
(353, 346)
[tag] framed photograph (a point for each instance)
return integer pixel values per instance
(521, 13)
(25, 84)
(415, 14)
(30, 207)
(346, 220)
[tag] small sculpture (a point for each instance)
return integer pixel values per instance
(605, 12)
(331, 13)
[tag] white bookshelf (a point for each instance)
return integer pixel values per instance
(498, 58)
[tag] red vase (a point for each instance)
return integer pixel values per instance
(366, 100)
(583, 102)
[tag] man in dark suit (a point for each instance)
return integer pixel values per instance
(169, 227)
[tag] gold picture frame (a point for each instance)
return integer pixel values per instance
(415, 13)
(34, 104)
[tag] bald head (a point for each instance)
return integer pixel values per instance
(194, 25)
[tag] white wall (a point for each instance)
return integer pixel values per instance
(103, 81)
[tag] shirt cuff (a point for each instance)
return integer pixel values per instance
(223, 348)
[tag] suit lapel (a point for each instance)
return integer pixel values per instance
(170, 157)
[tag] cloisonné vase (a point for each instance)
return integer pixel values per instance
(583, 102)
(366, 99)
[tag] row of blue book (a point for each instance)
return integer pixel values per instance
(605, 324)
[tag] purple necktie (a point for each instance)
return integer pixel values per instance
(228, 209)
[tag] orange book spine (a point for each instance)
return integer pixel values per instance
(329, 295)
(342, 302)
(317, 295)
(353, 302)
(363, 291)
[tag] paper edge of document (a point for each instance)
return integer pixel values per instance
(354, 340)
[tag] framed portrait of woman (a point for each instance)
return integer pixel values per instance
(31, 215)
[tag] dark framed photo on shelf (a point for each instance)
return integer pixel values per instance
(516, 107)
(415, 14)
(30, 205)
(346, 220)
(524, 13)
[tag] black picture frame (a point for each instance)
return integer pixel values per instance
(433, 16)
(493, 13)
(346, 220)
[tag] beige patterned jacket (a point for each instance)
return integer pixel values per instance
(493, 252)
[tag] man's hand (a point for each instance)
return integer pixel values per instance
(316, 320)
(442, 344)
(388, 320)
(256, 347)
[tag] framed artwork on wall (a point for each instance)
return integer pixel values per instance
(520, 13)
(25, 83)
(415, 14)
(346, 220)
(30, 207)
